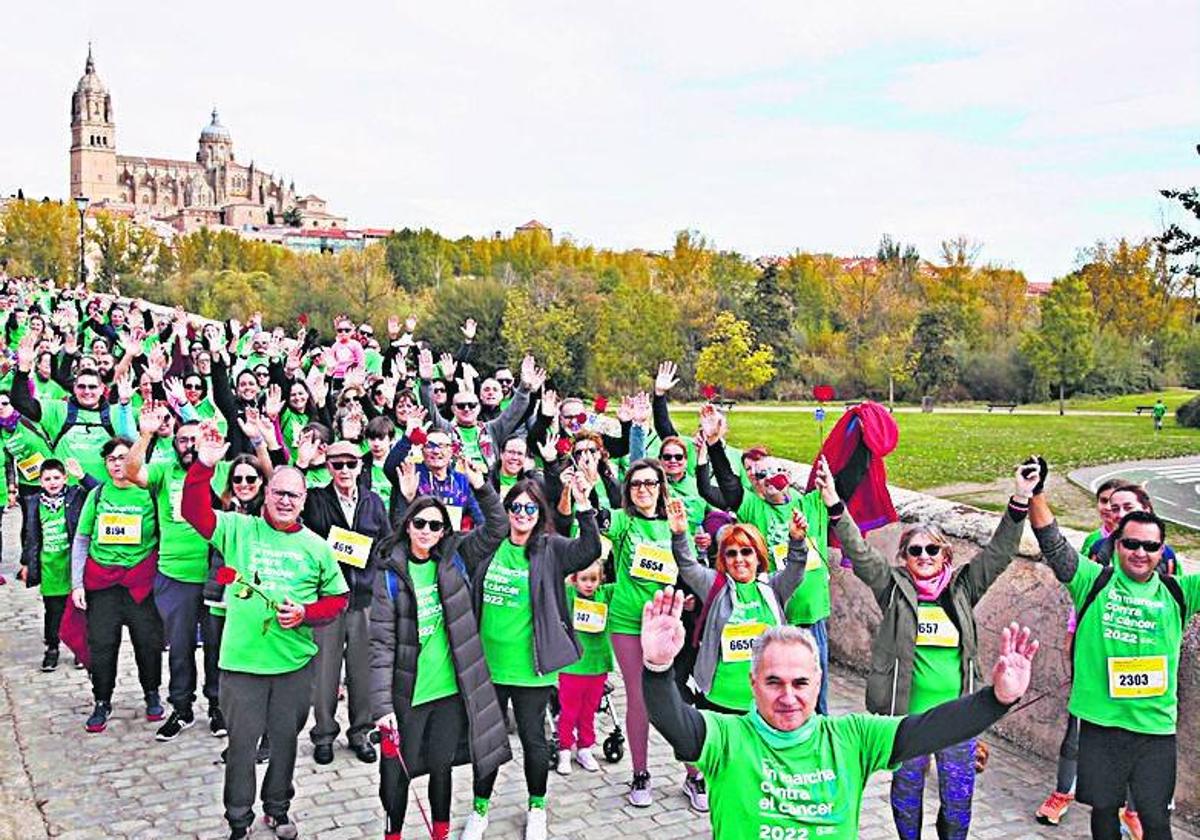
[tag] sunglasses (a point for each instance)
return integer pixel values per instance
(467, 405)
(678, 456)
(744, 551)
(344, 329)
(1149, 546)
(574, 418)
(433, 446)
(244, 479)
(760, 474)
(529, 508)
(193, 386)
(643, 482)
(342, 465)
(438, 390)
(83, 386)
(586, 450)
(505, 381)
(933, 550)
(435, 526)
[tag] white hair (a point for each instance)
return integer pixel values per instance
(787, 634)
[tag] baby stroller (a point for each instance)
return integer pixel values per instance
(614, 743)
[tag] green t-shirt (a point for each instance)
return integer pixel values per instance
(805, 784)
(81, 442)
(1159, 411)
(469, 435)
(317, 476)
(642, 565)
(291, 424)
(28, 448)
(298, 565)
(435, 666)
(750, 618)
(48, 389)
(121, 523)
(506, 482)
(381, 485)
(506, 620)
(810, 602)
(937, 660)
(590, 617)
(183, 555)
(1127, 650)
(1090, 540)
(687, 490)
(56, 551)
(373, 361)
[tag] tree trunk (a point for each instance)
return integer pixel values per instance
(1061, 402)
(891, 391)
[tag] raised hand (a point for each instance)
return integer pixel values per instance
(473, 471)
(211, 447)
(74, 469)
(174, 388)
(712, 423)
(823, 480)
(581, 487)
(547, 447)
(248, 422)
(1014, 665)
(625, 410)
(409, 480)
(677, 516)
(151, 419)
(662, 631)
(27, 352)
(666, 378)
(1031, 476)
(415, 420)
(641, 408)
(529, 372)
(701, 448)
(125, 387)
(410, 323)
(536, 379)
(550, 403)
(425, 364)
(798, 527)
(448, 366)
(393, 326)
(468, 329)
(274, 403)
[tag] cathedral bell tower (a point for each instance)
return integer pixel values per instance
(93, 138)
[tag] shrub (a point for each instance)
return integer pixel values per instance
(1188, 414)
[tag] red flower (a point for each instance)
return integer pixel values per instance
(303, 319)
(824, 393)
(226, 575)
(418, 436)
(600, 404)
(708, 392)
(563, 446)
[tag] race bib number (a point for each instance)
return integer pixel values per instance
(737, 641)
(1131, 677)
(780, 551)
(176, 495)
(31, 467)
(119, 529)
(655, 564)
(590, 616)
(456, 514)
(934, 627)
(350, 548)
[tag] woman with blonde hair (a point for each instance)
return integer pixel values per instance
(925, 650)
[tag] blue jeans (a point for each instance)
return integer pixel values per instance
(820, 631)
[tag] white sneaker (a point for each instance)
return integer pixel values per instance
(639, 791)
(535, 824)
(586, 760)
(475, 826)
(564, 763)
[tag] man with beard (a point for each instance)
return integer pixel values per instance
(182, 569)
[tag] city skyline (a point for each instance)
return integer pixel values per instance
(1032, 132)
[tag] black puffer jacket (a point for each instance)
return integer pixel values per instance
(395, 646)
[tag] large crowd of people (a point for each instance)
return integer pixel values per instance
(295, 518)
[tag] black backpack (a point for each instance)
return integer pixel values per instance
(72, 420)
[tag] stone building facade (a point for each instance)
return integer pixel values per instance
(213, 189)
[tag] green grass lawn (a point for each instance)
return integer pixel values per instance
(939, 449)
(1173, 397)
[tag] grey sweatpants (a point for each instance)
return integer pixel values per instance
(347, 637)
(253, 704)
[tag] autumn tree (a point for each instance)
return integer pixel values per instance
(731, 361)
(40, 238)
(125, 251)
(1061, 348)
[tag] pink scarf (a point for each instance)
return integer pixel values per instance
(930, 589)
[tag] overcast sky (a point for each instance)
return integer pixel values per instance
(1033, 128)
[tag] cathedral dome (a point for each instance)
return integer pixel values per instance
(90, 82)
(214, 130)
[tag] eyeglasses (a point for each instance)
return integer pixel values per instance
(675, 456)
(434, 446)
(529, 508)
(83, 386)
(466, 405)
(435, 526)
(288, 494)
(585, 450)
(1149, 546)
(645, 483)
(244, 479)
(344, 329)
(515, 453)
(341, 465)
(744, 551)
(933, 550)
(573, 418)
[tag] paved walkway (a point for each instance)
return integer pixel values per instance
(1173, 483)
(57, 781)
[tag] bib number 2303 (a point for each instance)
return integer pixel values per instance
(1131, 677)
(654, 564)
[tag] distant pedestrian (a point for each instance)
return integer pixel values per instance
(1159, 411)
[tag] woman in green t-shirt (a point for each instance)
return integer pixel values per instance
(525, 629)
(925, 650)
(431, 693)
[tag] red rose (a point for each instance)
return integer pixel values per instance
(563, 446)
(708, 392)
(303, 319)
(418, 436)
(600, 404)
(226, 575)
(824, 393)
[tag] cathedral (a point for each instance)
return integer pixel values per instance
(214, 189)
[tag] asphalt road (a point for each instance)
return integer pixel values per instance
(1173, 483)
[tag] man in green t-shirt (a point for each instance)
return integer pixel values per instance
(182, 568)
(112, 576)
(781, 771)
(1129, 628)
(282, 581)
(1159, 411)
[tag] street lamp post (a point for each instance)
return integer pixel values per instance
(81, 204)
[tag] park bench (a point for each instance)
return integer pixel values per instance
(1142, 409)
(853, 404)
(725, 405)
(1010, 406)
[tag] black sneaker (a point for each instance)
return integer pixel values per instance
(154, 707)
(284, 828)
(323, 753)
(240, 833)
(99, 719)
(179, 720)
(50, 660)
(216, 722)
